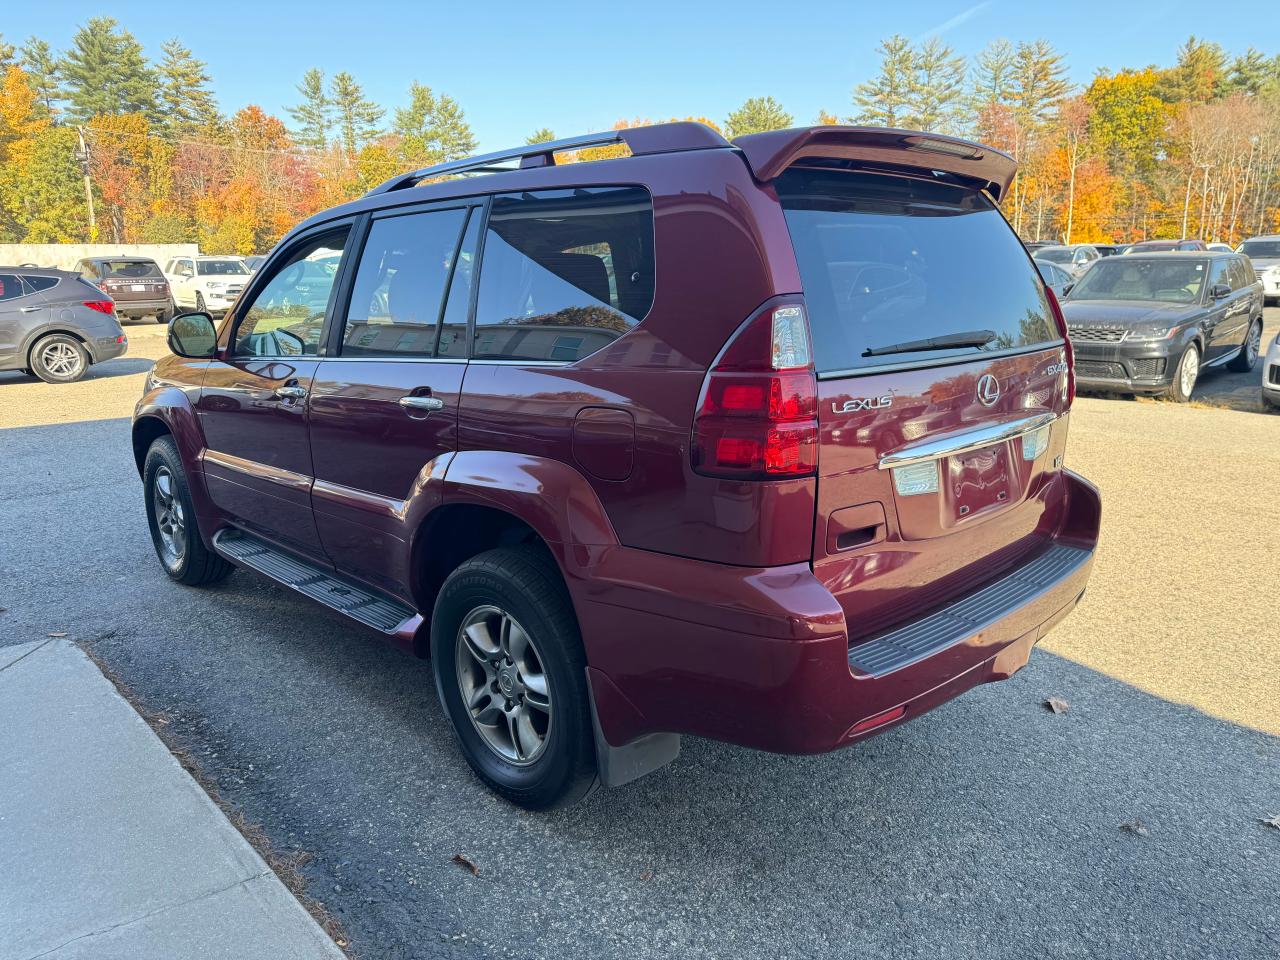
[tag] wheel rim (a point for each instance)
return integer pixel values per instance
(61, 359)
(1254, 346)
(1190, 371)
(504, 687)
(171, 521)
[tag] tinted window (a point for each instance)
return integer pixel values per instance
(128, 269)
(887, 260)
(1244, 276)
(10, 287)
(1056, 254)
(399, 287)
(564, 272)
(1131, 278)
(286, 316)
(453, 332)
(41, 283)
(1261, 249)
(1220, 272)
(221, 268)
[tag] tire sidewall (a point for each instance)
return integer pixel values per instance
(164, 453)
(37, 364)
(541, 784)
(1176, 387)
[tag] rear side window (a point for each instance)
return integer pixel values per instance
(399, 288)
(564, 272)
(41, 283)
(889, 263)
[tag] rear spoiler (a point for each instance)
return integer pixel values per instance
(769, 154)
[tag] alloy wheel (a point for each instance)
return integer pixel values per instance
(61, 359)
(1189, 372)
(504, 686)
(171, 521)
(1254, 345)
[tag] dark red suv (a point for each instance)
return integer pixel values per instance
(759, 441)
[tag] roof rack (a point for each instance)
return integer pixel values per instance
(658, 138)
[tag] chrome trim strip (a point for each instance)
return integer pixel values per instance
(965, 442)
(351, 497)
(259, 471)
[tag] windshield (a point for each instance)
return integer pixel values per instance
(1165, 281)
(1056, 254)
(1151, 246)
(893, 260)
(1261, 249)
(128, 269)
(220, 268)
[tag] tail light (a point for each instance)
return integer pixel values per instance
(1066, 339)
(757, 416)
(102, 306)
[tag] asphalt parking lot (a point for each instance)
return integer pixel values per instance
(990, 828)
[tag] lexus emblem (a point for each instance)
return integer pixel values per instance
(988, 390)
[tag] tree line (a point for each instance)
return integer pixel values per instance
(101, 142)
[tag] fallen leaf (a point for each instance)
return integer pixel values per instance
(57, 634)
(1273, 822)
(646, 875)
(1056, 705)
(462, 861)
(1135, 826)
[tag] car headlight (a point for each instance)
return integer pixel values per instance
(217, 284)
(1154, 333)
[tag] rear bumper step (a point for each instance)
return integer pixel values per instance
(969, 615)
(372, 609)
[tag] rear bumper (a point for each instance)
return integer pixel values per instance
(142, 308)
(762, 657)
(107, 348)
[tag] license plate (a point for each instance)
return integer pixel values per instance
(137, 287)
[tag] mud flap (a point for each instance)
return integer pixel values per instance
(631, 761)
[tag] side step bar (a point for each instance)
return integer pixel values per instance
(359, 603)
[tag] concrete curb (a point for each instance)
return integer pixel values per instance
(108, 848)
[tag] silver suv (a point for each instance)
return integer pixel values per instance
(54, 324)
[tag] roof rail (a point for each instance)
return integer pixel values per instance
(658, 138)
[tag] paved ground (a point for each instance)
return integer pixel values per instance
(108, 849)
(987, 829)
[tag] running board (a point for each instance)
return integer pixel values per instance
(372, 609)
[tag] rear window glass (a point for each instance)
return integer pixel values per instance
(41, 283)
(128, 269)
(564, 272)
(891, 262)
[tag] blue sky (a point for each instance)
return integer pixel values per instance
(579, 66)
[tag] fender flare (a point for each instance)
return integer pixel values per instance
(170, 408)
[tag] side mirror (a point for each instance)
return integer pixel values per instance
(1220, 291)
(192, 335)
(1066, 288)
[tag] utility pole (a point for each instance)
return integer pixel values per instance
(82, 155)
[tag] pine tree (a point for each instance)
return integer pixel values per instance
(6, 54)
(38, 59)
(541, 135)
(1200, 75)
(886, 100)
(937, 88)
(1039, 82)
(757, 115)
(432, 129)
(993, 75)
(356, 117)
(186, 102)
(314, 116)
(106, 73)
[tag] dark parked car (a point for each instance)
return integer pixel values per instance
(136, 285)
(54, 325)
(758, 441)
(1151, 323)
(1166, 246)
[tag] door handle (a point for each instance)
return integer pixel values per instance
(291, 392)
(30, 309)
(422, 403)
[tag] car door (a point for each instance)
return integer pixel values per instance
(253, 403)
(21, 310)
(384, 405)
(1227, 318)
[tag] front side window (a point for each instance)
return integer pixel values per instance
(286, 316)
(564, 272)
(400, 283)
(890, 264)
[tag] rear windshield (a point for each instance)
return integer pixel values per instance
(891, 262)
(221, 268)
(128, 269)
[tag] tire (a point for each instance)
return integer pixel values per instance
(547, 759)
(200, 307)
(164, 316)
(1269, 404)
(1247, 358)
(59, 358)
(1185, 375)
(172, 519)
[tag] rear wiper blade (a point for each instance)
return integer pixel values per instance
(970, 338)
